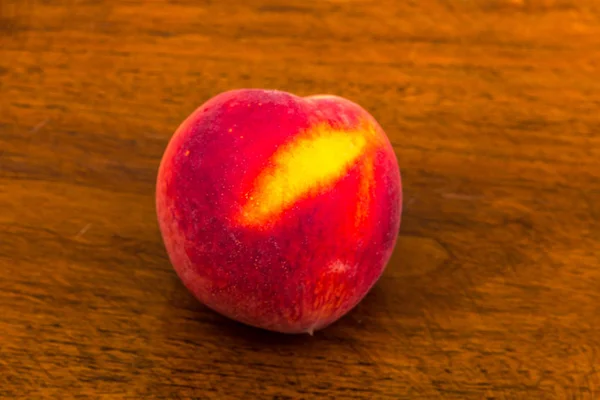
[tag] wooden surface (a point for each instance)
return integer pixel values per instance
(492, 106)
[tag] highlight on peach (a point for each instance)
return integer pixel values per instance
(279, 211)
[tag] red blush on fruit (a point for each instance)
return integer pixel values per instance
(279, 211)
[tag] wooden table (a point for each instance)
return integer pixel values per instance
(493, 291)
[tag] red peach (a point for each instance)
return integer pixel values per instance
(279, 211)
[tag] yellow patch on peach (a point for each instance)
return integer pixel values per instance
(315, 160)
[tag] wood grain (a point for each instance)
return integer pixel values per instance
(493, 292)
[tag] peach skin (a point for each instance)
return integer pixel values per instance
(279, 211)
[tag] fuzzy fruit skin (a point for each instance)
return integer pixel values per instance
(293, 259)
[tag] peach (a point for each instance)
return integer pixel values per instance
(279, 211)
